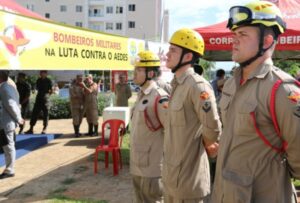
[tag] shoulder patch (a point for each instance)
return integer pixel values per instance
(204, 95)
(294, 97)
(163, 99)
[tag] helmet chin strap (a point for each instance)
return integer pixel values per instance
(260, 51)
(146, 78)
(179, 65)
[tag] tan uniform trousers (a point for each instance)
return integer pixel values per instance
(170, 199)
(147, 190)
(77, 114)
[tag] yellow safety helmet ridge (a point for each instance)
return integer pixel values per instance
(188, 39)
(147, 59)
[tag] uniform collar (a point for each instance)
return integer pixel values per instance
(149, 88)
(184, 75)
(260, 72)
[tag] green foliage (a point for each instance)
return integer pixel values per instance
(296, 183)
(60, 107)
(289, 66)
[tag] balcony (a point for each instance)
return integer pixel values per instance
(96, 2)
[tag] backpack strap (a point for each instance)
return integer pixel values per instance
(148, 121)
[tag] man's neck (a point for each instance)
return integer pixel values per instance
(181, 70)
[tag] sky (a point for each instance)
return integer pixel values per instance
(199, 13)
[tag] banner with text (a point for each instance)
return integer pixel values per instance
(31, 44)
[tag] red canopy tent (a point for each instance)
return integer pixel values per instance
(13, 7)
(218, 39)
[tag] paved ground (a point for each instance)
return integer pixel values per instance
(64, 166)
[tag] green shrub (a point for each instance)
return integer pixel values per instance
(60, 107)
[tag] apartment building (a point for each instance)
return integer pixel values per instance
(142, 19)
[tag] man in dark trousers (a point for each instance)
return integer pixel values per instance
(44, 88)
(24, 91)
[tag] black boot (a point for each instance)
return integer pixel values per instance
(21, 129)
(30, 131)
(76, 130)
(90, 133)
(44, 131)
(95, 130)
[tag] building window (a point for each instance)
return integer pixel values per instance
(109, 26)
(131, 24)
(109, 9)
(30, 7)
(119, 9)
(63, 8)
(78, 24)
(47, 15)
(47, 0)
(131, 7)
(118, 26)
(78, 9)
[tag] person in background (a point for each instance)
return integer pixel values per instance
(192, 128)
(55, 89)
(24, 90)
(90, 89)
(10, 117)
(260, 108)
(146, 137)
(220, 74)
(42, 102)
(77, 103)
(122, 91)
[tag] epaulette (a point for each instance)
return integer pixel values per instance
(286, 78)
(197, 78)
(161, 92)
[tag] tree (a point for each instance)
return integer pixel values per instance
(290, 66)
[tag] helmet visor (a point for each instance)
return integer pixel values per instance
(240, 15)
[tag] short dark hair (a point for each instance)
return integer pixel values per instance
(220, 73)
(4, 75)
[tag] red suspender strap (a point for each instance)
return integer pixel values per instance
(272, 106)
(148, 121)
(259, 133)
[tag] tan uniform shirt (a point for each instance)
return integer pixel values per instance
(146, 146)
(247, 169)
(91, 104)
(164, 85)
(76, 96)
(192, 105)
(123, 93)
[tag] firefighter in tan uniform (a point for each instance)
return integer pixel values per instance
(91, 105)
(77, 103)
(193, 126)
(146, 139)
(259, 148)
(123, 92)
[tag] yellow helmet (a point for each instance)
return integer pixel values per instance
(147, 59)
(257, 12)
(189, 39)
